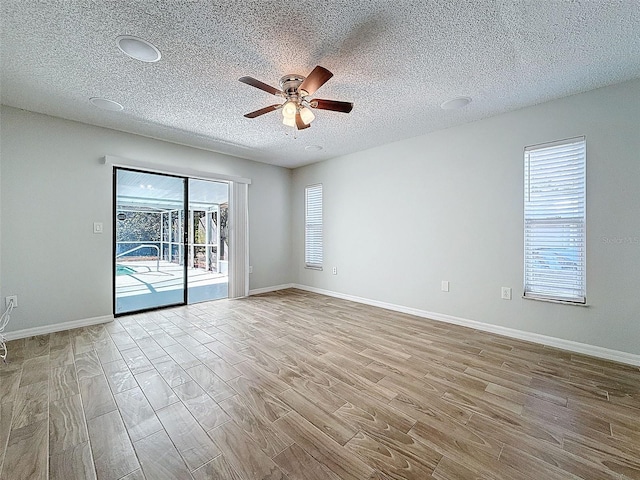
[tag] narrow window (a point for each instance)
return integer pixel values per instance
(313, 227)
(554, 221)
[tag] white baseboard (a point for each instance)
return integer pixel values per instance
(57, 327)
(576, 347)
(258, 291)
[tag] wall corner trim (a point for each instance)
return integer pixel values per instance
(57, 327)
(569, 345)
(258, 291)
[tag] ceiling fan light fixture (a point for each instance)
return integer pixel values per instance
(307, 115)
(289, 109)
(138, 48)
(289, 121)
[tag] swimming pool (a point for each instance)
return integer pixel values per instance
(124, 270)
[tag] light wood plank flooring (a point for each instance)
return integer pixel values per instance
(293, 385)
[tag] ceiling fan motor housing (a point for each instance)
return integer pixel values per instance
(289, 85)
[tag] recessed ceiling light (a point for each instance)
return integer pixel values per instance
(138, 48)
(106, 104)
(454, 103)
(313, 148)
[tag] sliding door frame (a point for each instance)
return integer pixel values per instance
(238, 211)
(185, 238)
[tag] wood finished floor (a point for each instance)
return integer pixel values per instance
(293, 385)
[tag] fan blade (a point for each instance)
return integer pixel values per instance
(334, 105)
(299, 123)
(262, 111)
(261, 85)
(318, 77)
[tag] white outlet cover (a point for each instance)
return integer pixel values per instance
(506, 293)
(98, 227)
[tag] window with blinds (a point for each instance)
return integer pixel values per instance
(554, 221)
(313, 227)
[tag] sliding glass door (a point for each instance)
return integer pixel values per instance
(149, 241)
(170, 240)
(208, 247)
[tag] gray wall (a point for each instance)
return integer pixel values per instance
(448, 206)
(398, 218)
(53, 189)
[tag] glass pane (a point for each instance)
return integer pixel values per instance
(554, 221)
(208, 245)
(149, 262)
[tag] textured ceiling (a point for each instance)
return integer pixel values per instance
(397, 60)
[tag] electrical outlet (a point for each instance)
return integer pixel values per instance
(506, 293)
(250, 268)
(335, 270)
(98, 227)
(444, 286)
(11, 298)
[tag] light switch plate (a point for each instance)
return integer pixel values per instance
(97, 227)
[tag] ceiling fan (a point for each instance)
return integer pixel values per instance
(296, 89)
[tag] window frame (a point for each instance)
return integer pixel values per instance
(573, 229)
(311, 260)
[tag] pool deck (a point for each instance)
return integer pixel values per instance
(165, 282)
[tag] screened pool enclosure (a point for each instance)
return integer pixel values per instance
(171, 240)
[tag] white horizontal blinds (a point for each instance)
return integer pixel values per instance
(554, 221)
(313, 226)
